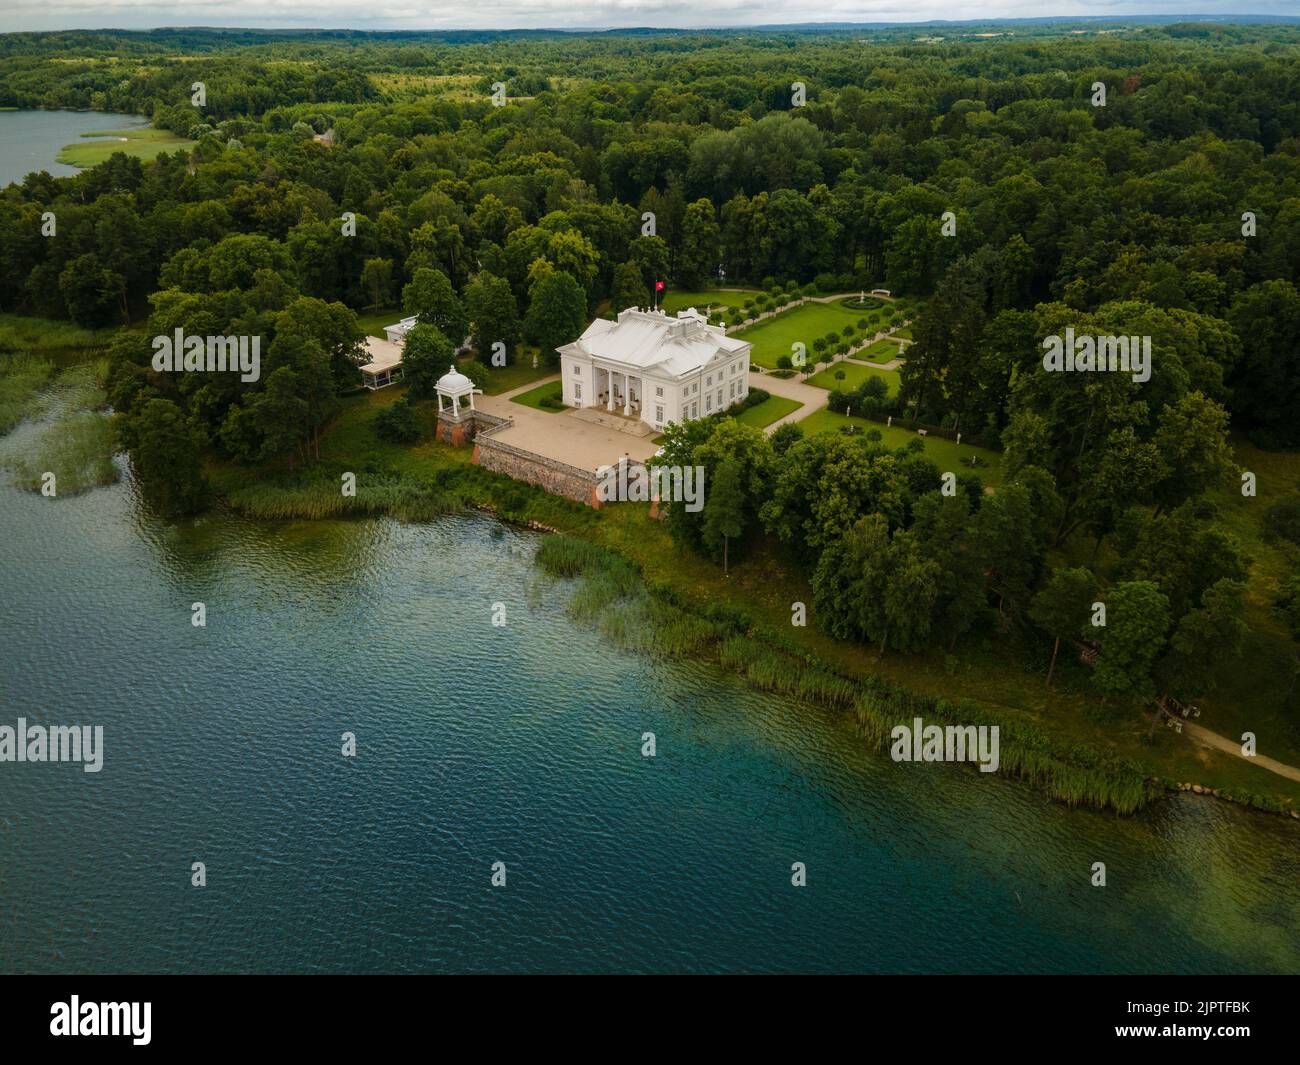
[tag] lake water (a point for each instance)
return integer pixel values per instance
(518, 744)
(31, 140)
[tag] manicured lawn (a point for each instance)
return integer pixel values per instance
(854, 374)
(533, 397)
(141, 143)
(773, 337)
(946, 453)
(764, 414)
(372, 322)
(512, 375)
(880, 351)
(873, 304)
(730, 297)
(904, 334)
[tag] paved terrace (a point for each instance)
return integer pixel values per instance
(560, 436)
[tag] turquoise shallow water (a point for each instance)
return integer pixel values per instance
(31, 140)
(520, 744)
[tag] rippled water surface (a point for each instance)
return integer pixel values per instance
(518, 744)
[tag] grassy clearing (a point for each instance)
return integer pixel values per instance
(96, 147)
(372, 322)
(774, 337)
(854, 374)
(764, 414)
(534, 397)
(516, 374)
(733, 298)
(948, 454)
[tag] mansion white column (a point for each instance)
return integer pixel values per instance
(627, 396)
(609, 380)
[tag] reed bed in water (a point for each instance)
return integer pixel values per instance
(21, 378)
(77, 449)
(1074, 774)
(317, 499)
(613, 596)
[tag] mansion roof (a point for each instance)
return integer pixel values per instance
(653, 342)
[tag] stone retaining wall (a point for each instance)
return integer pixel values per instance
(460, 432)
(552, 475)
(558, 478)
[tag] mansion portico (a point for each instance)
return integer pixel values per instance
(651, 366)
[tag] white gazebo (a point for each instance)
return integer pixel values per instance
(455, 386)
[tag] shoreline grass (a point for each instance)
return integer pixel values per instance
(612, 595)
(143, 143)
(694, 608)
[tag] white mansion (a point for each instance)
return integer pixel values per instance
(654, 367)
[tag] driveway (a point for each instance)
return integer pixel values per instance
(812, 397)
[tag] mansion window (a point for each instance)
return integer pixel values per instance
(577, 369)
(659, 391)
(708, 401)
(659, 414)
(577, 391)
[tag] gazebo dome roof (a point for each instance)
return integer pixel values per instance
(454, 383)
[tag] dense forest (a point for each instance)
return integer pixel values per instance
(336, 172)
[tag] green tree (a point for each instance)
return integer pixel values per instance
(397, 422)
(426, 356)
(429, 296)
(629, 288)
(698, 258)
(493, 315)
(1062, 607)
(1204, 639)
(724, 512)
(1137, 619)
(166, 451)
(377, 281)
(557, 312)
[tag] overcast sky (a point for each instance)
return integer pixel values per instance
(510, 14)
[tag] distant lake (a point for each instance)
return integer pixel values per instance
(31, 140)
